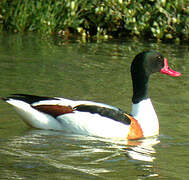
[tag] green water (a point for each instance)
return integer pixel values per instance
(97, 72)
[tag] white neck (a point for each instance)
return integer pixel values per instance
(145, 114)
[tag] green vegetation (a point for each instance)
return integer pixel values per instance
(158, 19)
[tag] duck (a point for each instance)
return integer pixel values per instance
(95, 118)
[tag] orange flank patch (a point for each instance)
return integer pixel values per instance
(54, 110)
(135, 129)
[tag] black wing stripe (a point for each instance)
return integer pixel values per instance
(117, 115)
(30, 98)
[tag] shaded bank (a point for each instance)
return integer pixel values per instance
(161, 20)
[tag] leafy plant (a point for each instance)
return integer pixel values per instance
(158, 19)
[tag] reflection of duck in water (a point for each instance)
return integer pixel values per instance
(97, 119)
(142, 150)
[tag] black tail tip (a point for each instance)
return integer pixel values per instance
(4, 99)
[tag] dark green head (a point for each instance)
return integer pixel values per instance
(146, 63)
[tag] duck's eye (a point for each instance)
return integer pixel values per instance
(159, 58)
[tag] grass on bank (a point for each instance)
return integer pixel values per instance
(157, 19)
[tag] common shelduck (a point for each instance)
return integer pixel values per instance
(98, 119)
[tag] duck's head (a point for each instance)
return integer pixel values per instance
(149, 62)
(143, 65)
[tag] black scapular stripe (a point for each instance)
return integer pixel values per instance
(117, 115)
(29, 98)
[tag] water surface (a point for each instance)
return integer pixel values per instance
(98, 72)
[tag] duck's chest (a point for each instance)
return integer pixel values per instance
(146, 116)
